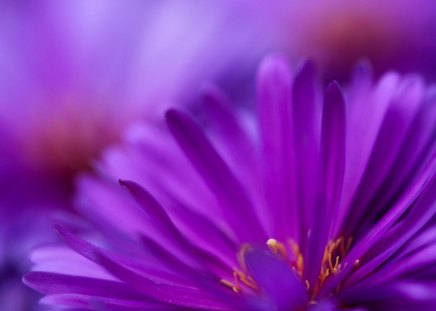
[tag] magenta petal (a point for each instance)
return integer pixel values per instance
(402, 110)
(379, 229)
(224, 124)
(413, 155)
(228, 190)
(324, 306)
(175, 295)
(421, 214)
(330, 183)
(275, 127)
(150, 205)
(276, 279)
(306, 111)
(78, 302)
(333, 148)
(52, 283)
(364, 119)
(159, 215)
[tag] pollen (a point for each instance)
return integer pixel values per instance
(277, 248)
(333, 253)
(241, 280)
(229, 285)
(298, 261)
(331, 264)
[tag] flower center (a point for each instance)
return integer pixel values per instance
(291, 253)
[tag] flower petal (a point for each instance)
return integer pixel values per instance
(236, 205)
(306, 111)
(276, 279)
(275, 127)
(331, 181)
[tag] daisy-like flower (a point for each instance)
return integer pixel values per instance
(73, 75)
(325, 201)
(337, 33)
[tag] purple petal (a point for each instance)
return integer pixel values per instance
(79, 302)
(378, 230)
(229, 192)
(413, 155)
(330, 185)
(306, 110)
(232, 141)
(159, 215)
(364, 121)
(276, 279)
(53, 283)
(275, 126)
(421, 213)
(171, 294)
(395, 126)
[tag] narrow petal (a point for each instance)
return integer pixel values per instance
(276, 279)
(364, 121)
(306, 111)
(399, 116)
(421, 213)
(413, 155)
(275, 127)
(233, 142)
(330, 183)
(379, 229)
(236, 205)
(157, 213)
(52, 283)
(175, 295)
(78, 302)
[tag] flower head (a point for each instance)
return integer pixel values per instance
(73, 76)
(325, 201)
(337, 33)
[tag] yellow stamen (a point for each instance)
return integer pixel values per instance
(277, 248)
(299, 264)
(244, 248)
(230, 285)
(331, 264)
(245, 279)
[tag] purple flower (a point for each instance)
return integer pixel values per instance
(337, 33)
(73, 75)
(322, 202)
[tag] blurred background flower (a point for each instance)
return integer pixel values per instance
(73, 74)
(392, 34)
